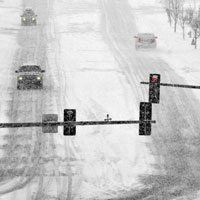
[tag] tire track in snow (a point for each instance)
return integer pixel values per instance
(171, 138)
(26, 105)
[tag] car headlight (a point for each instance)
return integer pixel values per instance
(38, 78)
(20, 78)
(33, 18)
(24, 19)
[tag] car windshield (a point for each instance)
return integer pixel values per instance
(29, 68)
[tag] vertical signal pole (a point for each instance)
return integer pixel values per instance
(154, 88)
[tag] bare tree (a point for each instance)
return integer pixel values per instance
(196, 28)
(184, 17)
(176, 7)
(168, 9)
(189, 12)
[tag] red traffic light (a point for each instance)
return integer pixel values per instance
(154, 78)
(154, 88)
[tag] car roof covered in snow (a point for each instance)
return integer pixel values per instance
(146, 35)
(28, 9)
(29, 63)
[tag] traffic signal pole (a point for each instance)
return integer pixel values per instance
(70, 123)
(154, 87)
(50, 122)
(176, 85)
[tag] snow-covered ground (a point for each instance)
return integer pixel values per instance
(86, 48)
(92, 82)
(181, 56)
(178, 53)
(82, 73)
(9, 27)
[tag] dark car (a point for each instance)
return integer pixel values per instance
(145, 40)
(30, 76)
(28, 18)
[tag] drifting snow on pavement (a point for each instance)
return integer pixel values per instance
(108, 158)
(81, 73)
(179, 158)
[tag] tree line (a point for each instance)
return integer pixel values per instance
(180, 14)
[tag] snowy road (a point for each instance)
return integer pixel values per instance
(177, 128)
(87, 50)
(25, 149)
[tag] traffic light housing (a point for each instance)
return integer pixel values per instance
(154, 88)
(145, 114)
(69, 115)
(50, 118)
